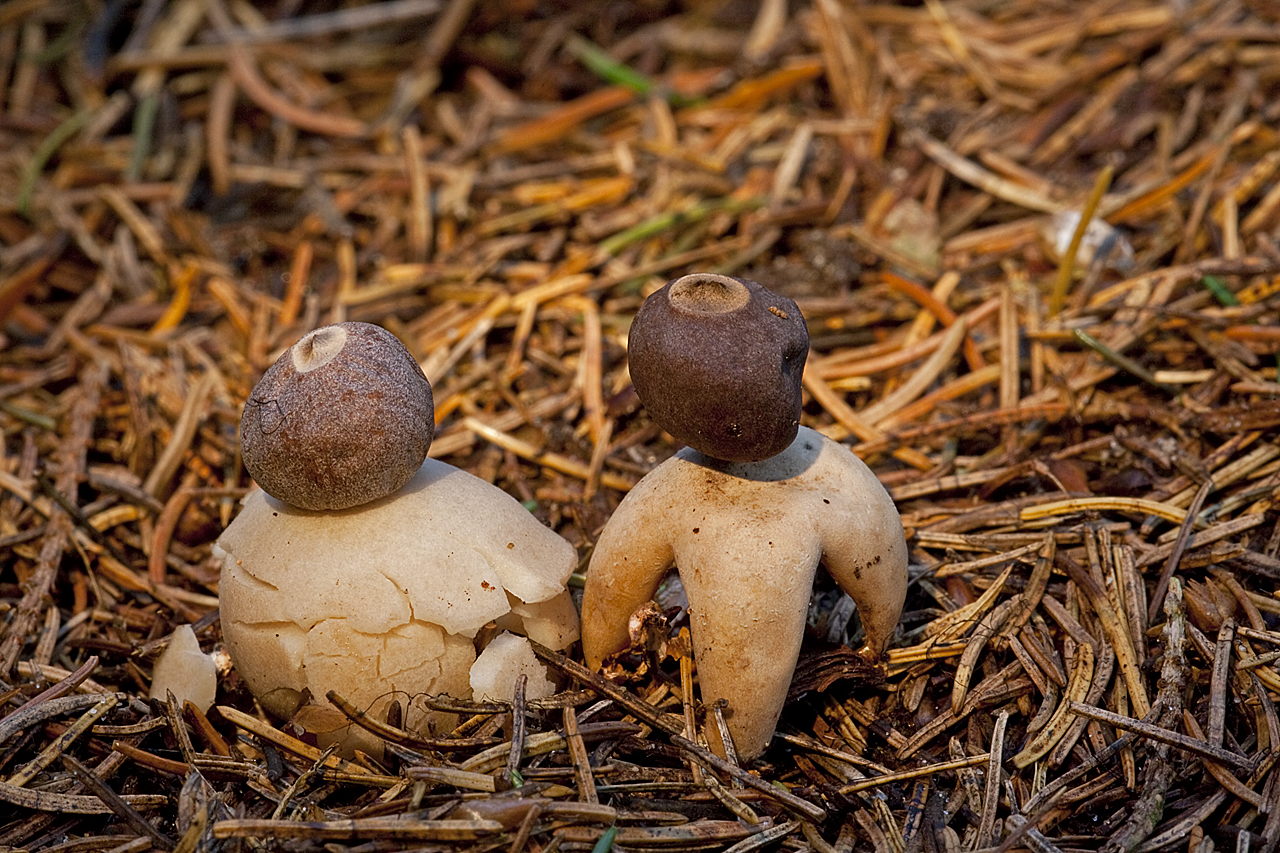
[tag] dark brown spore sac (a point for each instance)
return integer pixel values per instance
(343, 418)
(717, 362)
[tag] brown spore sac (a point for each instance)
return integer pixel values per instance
(344, 417)
(717, 362)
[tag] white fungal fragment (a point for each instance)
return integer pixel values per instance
(1099, 236)
(185, 671)
(552, 623)
(494, 674)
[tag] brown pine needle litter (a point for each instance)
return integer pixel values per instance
(1037, 246)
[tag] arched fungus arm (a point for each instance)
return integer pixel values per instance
(630, 560)
(865, 550)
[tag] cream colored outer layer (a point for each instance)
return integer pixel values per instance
(386, 597)
(747, 539)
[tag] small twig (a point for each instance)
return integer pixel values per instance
(358, 830)
(1121, 360)
(967, 170)
(519, 725)
(178, 726)
(60, 744)
(763, 838)
(1148, 808)
(347, 19)
(1026, 828)
(165, 525)
(554, 461)
(1116, 630)
(722, 729)
(316, 769)
(914, 773)
(581, 760)
(521, 839)
(81, 520)
(119, 805)
(404, 737)
(274, 736)
(921, 378)
(1156, 602)
(1163, 735)
(991, 794)
(69, 127)
(184, 430)
(66, 685)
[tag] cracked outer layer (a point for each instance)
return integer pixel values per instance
(343, 418)
(717, 362)
(387, 597)
(747, 539)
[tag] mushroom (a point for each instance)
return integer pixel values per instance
(384, 599)
(746, 536)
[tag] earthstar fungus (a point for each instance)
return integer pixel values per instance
(746, 536)
(383, 600)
